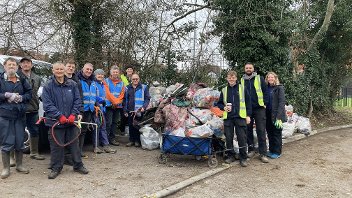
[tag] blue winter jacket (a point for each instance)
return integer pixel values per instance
(130, 95)
(101, 95)
(14, 110)
(60, 99)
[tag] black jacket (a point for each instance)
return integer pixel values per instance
(278, 103)
(14, 110)
(249, 85)
(234, 98)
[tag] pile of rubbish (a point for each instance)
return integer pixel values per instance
(184, 112)
(295, 123)
(195, 119)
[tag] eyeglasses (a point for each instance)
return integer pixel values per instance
(135, 78)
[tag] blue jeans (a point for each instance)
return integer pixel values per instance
(31, 119)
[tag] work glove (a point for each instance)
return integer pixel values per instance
(278, 124)
(63, 119)
(8, 95)
(71, 119)
(18, 98)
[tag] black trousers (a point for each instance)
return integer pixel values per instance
(274, 135)
(86, 117)
(239, 125)
(133, 130)
(64, 135)
(112, 118)
(123, 122)
(258, 115)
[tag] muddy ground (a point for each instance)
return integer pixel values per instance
(319, 166)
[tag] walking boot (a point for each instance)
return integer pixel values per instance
(19, 166)
(34, 149)
(108, 149)
(6, 165)
(12, 159)
(53, 174)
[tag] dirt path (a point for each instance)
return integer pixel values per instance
(319, 166)
(131, 172)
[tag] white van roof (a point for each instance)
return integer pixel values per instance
(36, 63)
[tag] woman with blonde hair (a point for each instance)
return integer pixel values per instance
(275, 114)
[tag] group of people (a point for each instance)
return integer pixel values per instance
(110, 103)
(69, 98)
(253, 100)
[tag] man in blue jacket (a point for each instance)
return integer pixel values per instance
(136, 101)
(15, 93)
(61, 103)
(89, 90)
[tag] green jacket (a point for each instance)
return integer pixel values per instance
(124, 80)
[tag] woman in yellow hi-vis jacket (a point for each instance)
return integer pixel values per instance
(235, 101)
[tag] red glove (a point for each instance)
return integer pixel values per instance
(63, 119)
(71, 119)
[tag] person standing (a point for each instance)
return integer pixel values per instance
(100, 118)
(70, 68)
(32, 107)
(115, 86)
(275, 114)
(126, 79)
(256, 88)
(235, 102)
(15, 93)
(89, 91)
(136, 102)
(62, 103)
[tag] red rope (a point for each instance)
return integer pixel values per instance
(68, 143)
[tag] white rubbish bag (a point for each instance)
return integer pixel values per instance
(303, 125)
(150, 139)
(288, 129)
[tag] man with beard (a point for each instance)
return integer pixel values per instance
(15, 93)
(256, 88)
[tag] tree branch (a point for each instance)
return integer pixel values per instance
(324, 27)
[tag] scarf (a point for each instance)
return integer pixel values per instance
(246, 77)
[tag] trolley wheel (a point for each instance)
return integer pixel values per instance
(162, 159)
(198, 157)
(213, 162)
